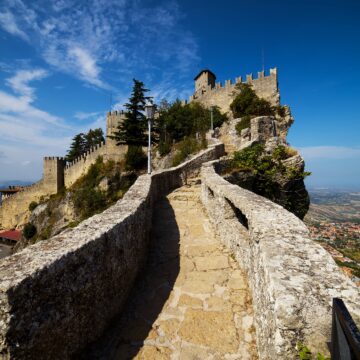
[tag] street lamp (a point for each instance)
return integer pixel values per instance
(211, 118)
(149, 111)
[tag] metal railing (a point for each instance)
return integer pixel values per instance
(345, 336)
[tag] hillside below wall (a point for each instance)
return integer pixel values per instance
(15, 208)
(82, 164)
(57, 296)
(293, 279)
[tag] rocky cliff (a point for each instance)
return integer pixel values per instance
(260, 160)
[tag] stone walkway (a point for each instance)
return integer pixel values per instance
(192, 301)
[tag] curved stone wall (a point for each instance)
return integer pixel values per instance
(58, 295)
(293, 279)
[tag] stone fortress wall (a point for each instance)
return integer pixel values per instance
(14, 210)
(66, 290)
(209, 93)
(293, 280)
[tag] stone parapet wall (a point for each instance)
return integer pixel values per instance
(58, 295)
(293, 279)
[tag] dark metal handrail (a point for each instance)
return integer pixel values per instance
(345, 335)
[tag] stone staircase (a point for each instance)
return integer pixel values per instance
(192, 300)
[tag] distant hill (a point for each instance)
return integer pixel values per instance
(334, 206)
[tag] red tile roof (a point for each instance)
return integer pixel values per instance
(11, 235)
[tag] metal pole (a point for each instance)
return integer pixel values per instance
(149, 146)
(211, 117)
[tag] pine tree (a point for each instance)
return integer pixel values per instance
(93, 138)
(132, 131)
(77, 147)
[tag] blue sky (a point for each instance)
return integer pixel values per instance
(61, 63)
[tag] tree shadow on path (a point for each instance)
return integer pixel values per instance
(126, 335)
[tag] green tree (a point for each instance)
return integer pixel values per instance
(29, 231)
(132, 131)
(93, 138)
(247, 103)
(77, 147)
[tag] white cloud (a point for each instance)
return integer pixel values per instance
(86, 115)
(107, 40)
(19, 82)
(8, 23)
(329, 152)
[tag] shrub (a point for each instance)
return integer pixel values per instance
(186, 147)
(248, 103)
(33, 205)
(243, 124)
(135, 159)
(29, 231)
(178, 121)
(164, 147)
(282, 152)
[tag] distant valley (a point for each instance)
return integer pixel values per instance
(334, 206)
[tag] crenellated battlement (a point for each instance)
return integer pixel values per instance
(85, 154)
(210, 93)
(59, 158)
(24, 189)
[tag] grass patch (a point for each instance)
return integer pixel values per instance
(187, 147)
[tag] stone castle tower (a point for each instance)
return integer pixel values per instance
(113, 120)
(209, 93)
(203, 81)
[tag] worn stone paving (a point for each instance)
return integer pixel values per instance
(192, 301)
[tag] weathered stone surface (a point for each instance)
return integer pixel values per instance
(293, 280)
(59, 295)
(211, 263)
(215, 329)
(188, 323)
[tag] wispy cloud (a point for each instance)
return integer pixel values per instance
(330, 152)
(8, 23)
(86, 115)
(106, 43)
(20, 82)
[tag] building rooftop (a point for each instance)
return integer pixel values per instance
(202, 71)
(13, 235)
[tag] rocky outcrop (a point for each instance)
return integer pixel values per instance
(284, 187)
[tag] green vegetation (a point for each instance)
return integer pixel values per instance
(132, 131)
(177, 121)
(82, 143)
(135, 159)
(244, 123)
(183, 128)
(267, 176)
(186, 147)
(305, 353)
(29, 231)
(352, 265)
(248, 105)
(33, 205)
(89, 198)
(101, 187)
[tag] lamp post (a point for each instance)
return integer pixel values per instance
(149, 111)
(211, 118)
